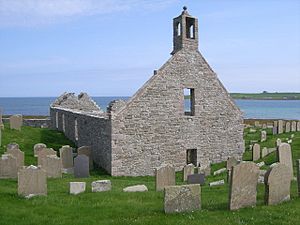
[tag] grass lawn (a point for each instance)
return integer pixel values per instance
(116, 207)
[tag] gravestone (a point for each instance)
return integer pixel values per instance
(264, 152)
(77, 187)
(81, 166)
(16, 122)
(256, 123)
(184, 198)
(101, 185)
(285, 156)
(274, 130)
(37, 148)
(294, 126)
(280, 126)
(32, 181)
(263, 136)
(136, 188)
(298, 126)
(278, 142)
(277, 184)
(188, 170)
(164, 176)
(8, 166)
(52, 166)
(12, 146)
(86, 150)
(219, 171)
(264, 126)
(298, 176)
(231, 161)
(256, 152)
(204, 166)
(275, 123)
(242, 188)
(42, 154)
(66, 155)
(217, 183)
(287, 127)
(19, 155)
(198, 178)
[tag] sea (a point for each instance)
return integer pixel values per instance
(252, 109)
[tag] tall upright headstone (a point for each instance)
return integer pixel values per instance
(277, 184)
(81, 166)
(243, 182)
(298, 126)
(16, 122)
(8, 166)
(37, 147)
(280, 126)
(188, 170)
(19, 155)
(52, 166)
(287, 127)
(66, 155)
(42, 154)
(285, 156)
(294, 126)
(86, 150)
(275, 130)
(256, 152)
(263, 136)
(164, 176)
(32, 181)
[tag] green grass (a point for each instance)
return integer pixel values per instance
(116, 207)
(266, 96)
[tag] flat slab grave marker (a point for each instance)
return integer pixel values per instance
(183, 198)
(242, 188)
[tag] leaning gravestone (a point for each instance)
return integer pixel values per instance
(280, 126)
(32, 181)
(188, 170)
(263, 136)
(16, 122)
(287, 127)
(184, 198)
(277, 184)
(164, 176)
(256, 152)
(8, 166)
(52, 166)
(294, 126)
(66, 155)
(196, 179)
(86, 150)
(42, 154)
(298, 126)
(285, 156)
(81, 166)
(38, 147)
(242, 189)
(19, 155)
(298, 176)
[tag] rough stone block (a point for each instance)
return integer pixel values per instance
(136, 188)
(101, 185)
(77, 187)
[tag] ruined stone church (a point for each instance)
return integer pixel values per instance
(181, 115)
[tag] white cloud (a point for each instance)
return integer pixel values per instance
(42, 12)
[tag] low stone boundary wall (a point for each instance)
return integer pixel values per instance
(41, 123)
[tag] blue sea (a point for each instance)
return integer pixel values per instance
(259, 109)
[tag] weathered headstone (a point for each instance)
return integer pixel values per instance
(19, 155)
(242, 189)
(86, 150)
(77, 187)
(280, 126)
(81, 166)
(256, 152)
(263, 136)
(136, 188)
(231, 161)
(256, 123)
(275, 130)
(188, 170)
(204, 166)
(294, 126)
(264, 126)
(285, 156)
(184, 198)
(287, 127)
(298, 126)
(42, 154)
(298, 176)
(32, 181)
(66, 155)
(278, 142)
(52, 166)
(8, 166)
(198, 178)
(16, 122)
(101, 185)
(277, 184)
(37, 148)
(12, 146)
(164, 176)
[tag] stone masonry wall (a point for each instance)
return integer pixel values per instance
(92, 130)
(151, 129)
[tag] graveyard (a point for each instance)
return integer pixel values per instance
(118, 207)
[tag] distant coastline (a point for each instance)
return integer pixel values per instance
(267, 96)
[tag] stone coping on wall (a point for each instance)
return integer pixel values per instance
(86, 113)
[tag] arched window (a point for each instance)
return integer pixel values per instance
(178, 29)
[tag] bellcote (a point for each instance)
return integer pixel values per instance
(185, 32)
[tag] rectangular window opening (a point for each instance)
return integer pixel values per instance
(189, 102)
(191, 156)
(76, 130)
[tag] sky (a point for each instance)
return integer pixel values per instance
(111, 47)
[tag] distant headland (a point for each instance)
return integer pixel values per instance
(267, 96)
